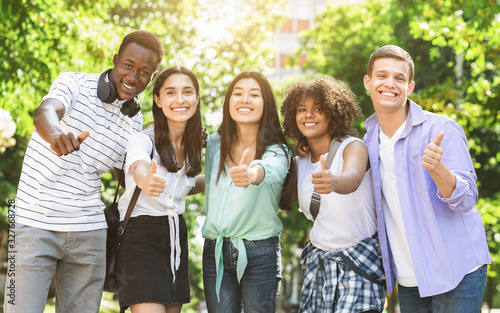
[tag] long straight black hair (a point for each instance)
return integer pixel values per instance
(270, 131)
(192, 138)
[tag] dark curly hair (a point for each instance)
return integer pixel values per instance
(337, 102)
(146, 40)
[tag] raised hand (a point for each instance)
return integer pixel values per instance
(152, 184)
(67, 143)
(302, 148)
(433, 154)
(242, 175)
(323, 181)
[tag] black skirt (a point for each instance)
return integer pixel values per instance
(144, 263)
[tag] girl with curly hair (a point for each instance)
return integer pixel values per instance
(341, 262)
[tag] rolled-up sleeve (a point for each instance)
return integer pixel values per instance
(138, 148)
(276, 164)
(457, 158)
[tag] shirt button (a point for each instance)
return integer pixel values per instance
(178, 175)
(222, 209)
(170, 197)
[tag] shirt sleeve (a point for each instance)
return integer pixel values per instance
(212, 144)
(276, 164)
(138, 148)
(457, 158)
(64, 88)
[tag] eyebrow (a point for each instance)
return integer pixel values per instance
(144, 67)
(386, 71)
(185, 87)
(250, 88)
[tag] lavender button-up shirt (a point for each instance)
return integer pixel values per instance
(446, 236)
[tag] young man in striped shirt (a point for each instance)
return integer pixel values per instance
(81, 129)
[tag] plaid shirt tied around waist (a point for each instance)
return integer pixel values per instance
(346, 281)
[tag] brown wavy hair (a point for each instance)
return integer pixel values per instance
(337, 102)
(393, 52)
(192, 138)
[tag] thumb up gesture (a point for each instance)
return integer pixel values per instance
(242, 175)
(323, 181)
(152, 183)
(433, 154)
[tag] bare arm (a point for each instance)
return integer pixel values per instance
(353, 171)
(47, 117)
(199, 186)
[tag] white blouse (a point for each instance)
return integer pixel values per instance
(170, 203)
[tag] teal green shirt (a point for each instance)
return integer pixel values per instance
(239, 213)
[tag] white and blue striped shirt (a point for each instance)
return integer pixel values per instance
(63, 193)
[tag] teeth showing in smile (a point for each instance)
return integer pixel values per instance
(179, 109)
(128, 87)
(309, 124)
(389, 94)
(244, 110)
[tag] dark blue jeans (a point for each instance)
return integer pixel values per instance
(259, 287)
(467, 297)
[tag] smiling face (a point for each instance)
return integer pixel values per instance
(389, 85)
(133, 69)
(311, 120)
(177, 98)
(246, 104)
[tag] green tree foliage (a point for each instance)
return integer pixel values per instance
(345, 35)
(455, 46)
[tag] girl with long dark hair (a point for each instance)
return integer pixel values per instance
(153, 256)
(246, 164)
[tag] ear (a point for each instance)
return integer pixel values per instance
(197, 99)
(366, 82)
(115, 59)
(411, 86)
(153, 76)
(156, 99)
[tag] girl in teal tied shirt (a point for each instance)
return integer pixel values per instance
(246, 164)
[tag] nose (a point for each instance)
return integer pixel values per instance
(390, 81)
(132, 76)
(309, 113)
(180, 98)
(245, 98)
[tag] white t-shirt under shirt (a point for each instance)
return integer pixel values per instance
(343, 220)
(403, 266)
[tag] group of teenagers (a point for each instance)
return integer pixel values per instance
(398, 205)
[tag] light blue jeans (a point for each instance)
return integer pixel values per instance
(77, 259)
(467, 297)
(259, 288)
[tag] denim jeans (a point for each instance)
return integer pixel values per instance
(467, 297)
(259, 287)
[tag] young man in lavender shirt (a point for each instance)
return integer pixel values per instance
(431, 235)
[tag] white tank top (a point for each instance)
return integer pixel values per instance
(343, 220)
